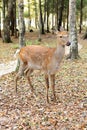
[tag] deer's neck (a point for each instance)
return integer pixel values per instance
(56, 59)
(59, 52)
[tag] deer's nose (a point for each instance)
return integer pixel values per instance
(68, 43)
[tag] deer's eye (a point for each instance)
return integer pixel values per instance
(60, 36)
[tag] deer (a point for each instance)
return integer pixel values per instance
(38, 57)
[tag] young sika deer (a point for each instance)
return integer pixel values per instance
(43, 58)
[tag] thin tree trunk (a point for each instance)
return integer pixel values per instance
(81, 16)
(48, 16)
(6, 29)
(36, 15)
(0, 24)
(12, 22)
(72, 30)
(3, 9)
(67, 15)
(15, 28)
(53, 14)
(21, 27)
(41, 18)
(60, 14)
(29, 15)
(21, 23)
(57, 12)
(45, 9)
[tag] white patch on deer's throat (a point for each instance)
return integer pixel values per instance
(32, 65)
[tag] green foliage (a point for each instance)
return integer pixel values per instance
(36, 42)
(78, 3)
(15, 46)
(34, 5)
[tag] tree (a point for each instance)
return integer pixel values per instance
(21, 27)
(29, 15)
(81, 16)
(0, 24)
(60, 14)
(6, 27)
(53, 10)
(36, 14)
(41, 18)
(72, 30)
(48, 16)
(21, 23)
(13, 20)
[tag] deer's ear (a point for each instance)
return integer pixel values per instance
(61, 28)
(59, 33)
(56, 32)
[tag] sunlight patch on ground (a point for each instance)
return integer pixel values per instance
(7, 68)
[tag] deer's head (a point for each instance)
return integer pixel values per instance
(63, 37)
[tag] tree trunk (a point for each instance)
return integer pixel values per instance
(45, 9)
(81, 16)
(12, 23)
(53, 13)
(60, 14)
(48, 16)
(36, 15)
(72, 30)
(21, 23)
(21, 27)
(16, 32)
(13, 19)
(6, 29)
(0, 24)
(57, 13)
(67, 14)
(29, 16)
(41, 18)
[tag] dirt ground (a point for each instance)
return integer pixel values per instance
(24, 111)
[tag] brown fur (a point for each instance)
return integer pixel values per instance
(42, 58)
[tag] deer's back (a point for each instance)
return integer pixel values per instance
(36, 56)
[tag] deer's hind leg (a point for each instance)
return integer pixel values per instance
(19, 74)
(28, 72)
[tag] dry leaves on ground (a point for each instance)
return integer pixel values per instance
(28, 111)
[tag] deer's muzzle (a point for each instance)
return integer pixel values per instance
(68, 43)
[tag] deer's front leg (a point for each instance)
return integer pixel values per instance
(52, 80)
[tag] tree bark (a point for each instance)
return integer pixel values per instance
(60, 14)
(6, 28)
(53, 10)
(21, 23)
(48, 16)
(41, 18)
(0, 24)
(36, 14)
(57, 3)
(72, 30)
(81, 16)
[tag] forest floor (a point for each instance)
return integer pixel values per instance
(24, 111)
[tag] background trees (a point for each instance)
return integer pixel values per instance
(48, 13)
